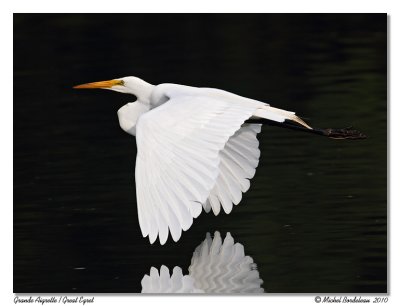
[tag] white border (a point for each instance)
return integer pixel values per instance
(212, 6)
(300, 6)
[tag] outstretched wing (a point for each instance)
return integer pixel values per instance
(178, 159)
(223, 267)
(239, 160)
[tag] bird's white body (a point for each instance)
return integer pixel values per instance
(194, 150)
(151, 96)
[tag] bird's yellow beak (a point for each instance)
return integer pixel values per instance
(101, 84)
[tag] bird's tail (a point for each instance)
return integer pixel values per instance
(279, 115)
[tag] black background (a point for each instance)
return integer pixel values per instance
(314, 219)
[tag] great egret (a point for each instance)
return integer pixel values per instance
(194, 149)
(217, 267)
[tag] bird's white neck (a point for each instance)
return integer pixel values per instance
(141, 89)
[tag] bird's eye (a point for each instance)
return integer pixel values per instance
(121, 82)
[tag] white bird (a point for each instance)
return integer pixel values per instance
(217, 267)
(194, 149)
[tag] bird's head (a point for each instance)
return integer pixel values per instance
(130, 85)
(129, 113)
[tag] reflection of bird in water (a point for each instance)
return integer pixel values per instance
(216, 267)
(194, 150)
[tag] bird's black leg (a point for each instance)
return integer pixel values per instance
(345, 133)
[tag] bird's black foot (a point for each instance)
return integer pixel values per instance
(346, 133)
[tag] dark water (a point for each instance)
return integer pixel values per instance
(315, 218)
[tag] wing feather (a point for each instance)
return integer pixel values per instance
(178, 161)
(239, 160)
